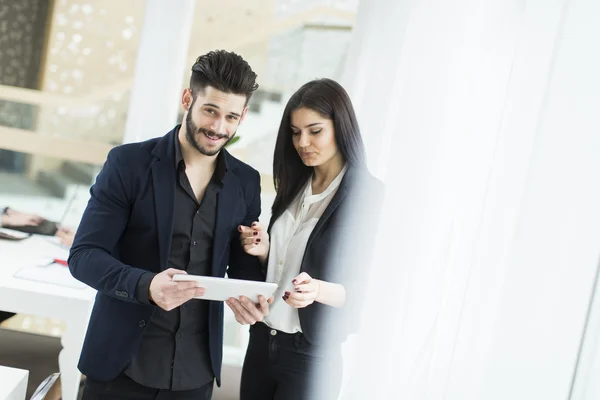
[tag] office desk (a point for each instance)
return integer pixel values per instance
(47, 300)
(13, 383)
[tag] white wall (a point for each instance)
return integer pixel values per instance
(551, 262)
(482, 116)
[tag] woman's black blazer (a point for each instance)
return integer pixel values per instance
(339, 250)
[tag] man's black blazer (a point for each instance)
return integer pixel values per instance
(126, 231)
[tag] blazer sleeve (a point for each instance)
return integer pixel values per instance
(102, 224)
(241, 264)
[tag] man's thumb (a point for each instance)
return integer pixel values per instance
(172, 271)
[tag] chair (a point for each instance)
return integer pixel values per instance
(49, 389)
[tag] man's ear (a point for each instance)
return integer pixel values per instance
(186, 99)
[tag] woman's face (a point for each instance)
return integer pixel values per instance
(314, 137)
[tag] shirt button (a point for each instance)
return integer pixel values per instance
(280, 262)
(179, 336)
(195, 243)
(142, 323)
(273, 332)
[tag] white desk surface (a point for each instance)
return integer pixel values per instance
(71, 305)
(16, 254)
(13, 383)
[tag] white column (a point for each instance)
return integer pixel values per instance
(160, 69)
(480, 115)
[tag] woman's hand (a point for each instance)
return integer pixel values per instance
(255, 240)
(306, 291)
(66, 236)
(17, 218)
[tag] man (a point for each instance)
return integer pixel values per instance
(170, 205)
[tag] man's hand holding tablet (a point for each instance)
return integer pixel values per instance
(168, 294)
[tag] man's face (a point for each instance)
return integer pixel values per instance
(212, 118)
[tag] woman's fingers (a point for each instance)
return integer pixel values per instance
(244, 229)
(294, 301)
(305, 288)
(252, 240)
(302, 278)
(255, 227)
(250, 233)
(299, 300)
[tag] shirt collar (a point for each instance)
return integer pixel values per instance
(221, 168)
(178, 155)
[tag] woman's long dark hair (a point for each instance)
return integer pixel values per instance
(328, 98)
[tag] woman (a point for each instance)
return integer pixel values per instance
(314, 249)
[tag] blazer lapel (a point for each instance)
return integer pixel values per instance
(333, 204)
(163, 181)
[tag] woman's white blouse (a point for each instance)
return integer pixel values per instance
(289, 237)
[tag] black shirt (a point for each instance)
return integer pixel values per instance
(174, 350)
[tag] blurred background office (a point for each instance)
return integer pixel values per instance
(481, 116)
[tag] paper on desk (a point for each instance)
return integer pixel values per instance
(12, 234)
(54, 274)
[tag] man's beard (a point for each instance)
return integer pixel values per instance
(191, 132)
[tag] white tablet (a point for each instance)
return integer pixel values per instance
(221, 289)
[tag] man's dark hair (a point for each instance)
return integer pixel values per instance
(225, 71)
